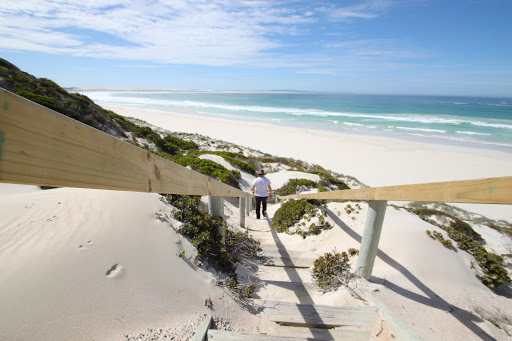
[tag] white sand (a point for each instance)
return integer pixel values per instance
(374, 160)
(82, 264)
(85, 264)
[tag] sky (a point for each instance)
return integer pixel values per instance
(425, 47)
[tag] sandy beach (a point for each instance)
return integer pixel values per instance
(88, 264)
(374, 160)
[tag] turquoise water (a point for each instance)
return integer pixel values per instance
(476, 120)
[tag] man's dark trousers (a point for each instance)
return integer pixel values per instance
(261, 201)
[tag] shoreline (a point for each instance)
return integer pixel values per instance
(374, 160)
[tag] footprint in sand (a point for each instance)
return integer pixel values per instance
(115, 271)
(85, 246)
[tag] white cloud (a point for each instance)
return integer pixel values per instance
(222, 32)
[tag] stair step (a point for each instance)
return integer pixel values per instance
(320, 316)
(292, 292)
(276, 273)
(325, 334)
(214, 334)
(290, 262)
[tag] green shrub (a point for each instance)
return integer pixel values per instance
(210, 168)
(291, 186)
(43, 100)
(203, 230)
(180, 143)
(332, 270)
(235, 159)
(467, 239)
(291, 213)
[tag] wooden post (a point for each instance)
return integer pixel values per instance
(216, 209)
(247, 209)
(371, 236)
(250, 204)
(241, 204)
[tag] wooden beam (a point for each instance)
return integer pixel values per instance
(39, 146)
(202, 330)
(241, 210)
(479, 191)
(371, 237)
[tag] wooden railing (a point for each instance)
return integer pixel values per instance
(39, 146)
(480, 191)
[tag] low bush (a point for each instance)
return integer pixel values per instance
(203, 231)
(291, 213)
(467, 239)
(292, 185)
(332, 270)
(209, 168)
(235, 159)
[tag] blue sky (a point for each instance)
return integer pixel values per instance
(454, 47)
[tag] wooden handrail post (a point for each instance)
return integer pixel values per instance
(247, 210)
(250, 205)
(241, 204)
(216, 209)
(371, 236)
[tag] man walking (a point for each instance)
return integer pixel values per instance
(261, 188)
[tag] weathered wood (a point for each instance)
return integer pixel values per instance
(216, 210)
(241, 207)
(396, 325)
(288, 261)
(371, 237)
(42, 147)
(224, 335)
(280, 290)
(202, 330)
(325, 334)
(479, 191)
(319, 316)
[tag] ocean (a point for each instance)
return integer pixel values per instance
(467, 120)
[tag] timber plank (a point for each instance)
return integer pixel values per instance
(325, 334)
(43, 147)
(320, 316)
(214, 334)
(478, 191)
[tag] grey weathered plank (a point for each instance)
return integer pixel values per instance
(290, 262)
(225, 335)
(281, 290)
(325, 334)
(320, 316)
(202, 329)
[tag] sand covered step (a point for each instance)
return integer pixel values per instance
(279, 274)
(325, 334)
(290, 262)
(320, 316)
(214, 334)
(291, 292)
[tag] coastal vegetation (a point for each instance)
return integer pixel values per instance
(293, 185)
(494, 274)
(204, 233)
(332, 270)
(295, 217)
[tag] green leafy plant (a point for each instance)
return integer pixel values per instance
(210, 168)
(467, 239)
(332, 270)
(291, 213)
(291, 186)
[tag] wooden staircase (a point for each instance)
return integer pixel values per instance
(286, 296)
